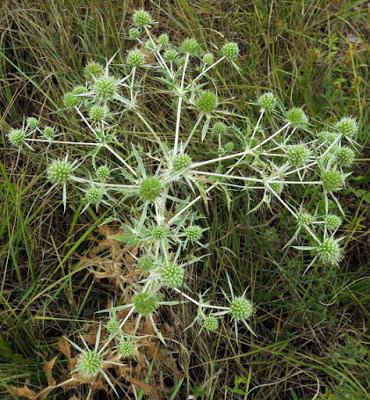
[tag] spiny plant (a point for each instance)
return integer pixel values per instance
(282, 150)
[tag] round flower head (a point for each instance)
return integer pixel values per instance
(89, 363)
(329, 251)
(145, 263)
(142, 19)
(267, 101)
(134, 33)
(347, 126)
(207, 102)
(94, 195)
(17, 137)
(277, 187)
(193, 232)
(208, 59)
(145, 303)
(172, 275)
(182, 162)
(210, 323)
(241, 308)
(163, 40)
(59, 171)
(332, 180)
(150, 46)
(229, 147)
(344, 156)
(70, 100)
(159, 232)
(79, 89)
(327, 137)
(150, 189)
(105, 87)
(126, 348)
(297, 117)
(135, 59)
(170, 55)
(103, 173)
(332, 222)
(98, 113)
(48, 132)
(230, 51)
(190, 46)
(219, 128)
(32, 122)
(181, 61)
(112, 326)
(93, 70)
(297, 155)
(304, 218)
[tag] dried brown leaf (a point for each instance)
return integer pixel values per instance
(48, 368)
(23, 392)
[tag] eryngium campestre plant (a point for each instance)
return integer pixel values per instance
(279, 149)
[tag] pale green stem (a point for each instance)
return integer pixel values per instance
(271, 137)
(63, 142)
(132, 84)
(243, 153)
(179, 104)
(109, 185)
(158, 54)
(152, 132)
(121, 159)
(190, 204)
(207, 69)
(242, 178)
(258, 123)
(200, 304)
(193, 130)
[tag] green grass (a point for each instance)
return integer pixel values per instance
(311, 53)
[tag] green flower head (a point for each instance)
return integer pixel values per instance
(172, 275)
(210, 323)
(241, 308)
(142, 19)
(32, 123)
(297, 118)
(333, 222)
(329, 251)
(230, 51)
(297, 155)
(182, 162)
(59, 171)
(93, 70)
(267, 101)
(145, 303)
(145, 263)
(17, 137)
(126, 348)
(207, 102)
(208, 58)
(193, 232)
(105, 87)
(89, 363)
(135, 59)
(150, 189)
(332, 180)
(190, 46)
(347, 126)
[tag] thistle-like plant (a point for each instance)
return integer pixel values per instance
(279, 150)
